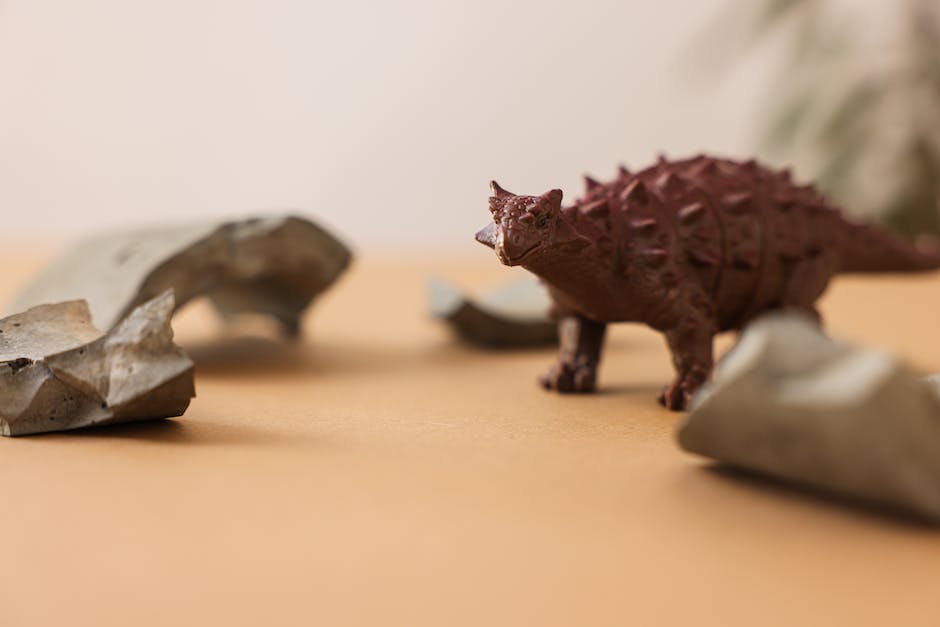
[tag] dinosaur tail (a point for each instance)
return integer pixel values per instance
(870, 249)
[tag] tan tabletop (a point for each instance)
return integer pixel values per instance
(381, 474)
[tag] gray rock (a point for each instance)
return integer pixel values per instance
(58, 372)
(792, 403)
(273, 266)
(512, 315)
(934, 382)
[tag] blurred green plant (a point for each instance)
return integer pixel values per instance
(856, 101)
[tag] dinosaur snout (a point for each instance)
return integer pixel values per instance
(488, 235)
(511, 245)
(514, 245)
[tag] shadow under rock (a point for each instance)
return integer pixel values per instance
(251, 356)
(163, 430)
(723, 476)
(187, 432)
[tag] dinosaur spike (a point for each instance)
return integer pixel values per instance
(643, 224)
(703, 257)
(738, 202)
(670, 182)
(654, 256)
(691, 213)
(662, 159)
(591, 183)
(498, 191)
(623, 172)
(553, 197)
(596, 209)
(636, 193)
(708, 167)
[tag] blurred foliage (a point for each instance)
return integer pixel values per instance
(856, 100)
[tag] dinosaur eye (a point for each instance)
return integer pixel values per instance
(542, 221)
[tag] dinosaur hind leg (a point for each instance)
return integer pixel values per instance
(689, 335)
(691, 346)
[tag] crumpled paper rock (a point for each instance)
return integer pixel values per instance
(273, 266)
(58, 372)
(792, 403)
(513, 315)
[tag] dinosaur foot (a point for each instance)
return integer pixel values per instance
(564, 377)
(674, 397)
(678, 396)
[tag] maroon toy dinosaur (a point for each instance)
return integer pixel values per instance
(691, 248)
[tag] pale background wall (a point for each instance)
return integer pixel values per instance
(384, 118)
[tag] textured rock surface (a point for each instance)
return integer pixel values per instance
(691, 248)
(58, 372)
(790, 402)
(274, 266)
(516, 314)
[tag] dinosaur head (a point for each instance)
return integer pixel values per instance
(522, 226)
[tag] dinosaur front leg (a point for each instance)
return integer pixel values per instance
(576, 370)
(691, 344)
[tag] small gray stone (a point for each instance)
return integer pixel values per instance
(57, 372)
(512, 315)
(792, 403)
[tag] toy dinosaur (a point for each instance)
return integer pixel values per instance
(691, 248)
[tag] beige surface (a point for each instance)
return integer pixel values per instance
(382, 475)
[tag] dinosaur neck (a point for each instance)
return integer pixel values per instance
(571, 262)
